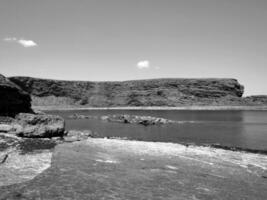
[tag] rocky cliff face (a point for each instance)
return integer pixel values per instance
(154, 92)
(13, 100)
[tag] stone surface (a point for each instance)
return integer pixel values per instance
(18, 168)
(130, 170)
(13, 99)
(154, 92)
(40, 125)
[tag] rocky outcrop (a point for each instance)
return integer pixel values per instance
(127, 119)
(154, 92)
(134, 119)
(39, 126)
(13, 99)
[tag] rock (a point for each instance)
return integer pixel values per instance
(40, 126)
(76, 135)
(13, 99)
(5, 128)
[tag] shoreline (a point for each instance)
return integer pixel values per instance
(211, 147)
(196, 108)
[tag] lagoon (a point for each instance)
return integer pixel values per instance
(243, 129)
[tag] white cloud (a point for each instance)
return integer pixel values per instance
(23, 42)
(144, 64)
(27, 43)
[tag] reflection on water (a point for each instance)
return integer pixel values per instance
(246, 129)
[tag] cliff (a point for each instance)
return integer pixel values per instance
(13, 100)
(154, 92)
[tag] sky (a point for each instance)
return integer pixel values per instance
(100, 40)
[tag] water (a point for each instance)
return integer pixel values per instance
(244, 129)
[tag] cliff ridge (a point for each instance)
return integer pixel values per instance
(152, 92)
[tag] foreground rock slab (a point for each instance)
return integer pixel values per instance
(119, 169)
(17, 168)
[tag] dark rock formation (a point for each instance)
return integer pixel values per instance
(39, 126)
(13, 100)
(154, 92)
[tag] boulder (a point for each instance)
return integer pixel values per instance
(40, 125)
(13, 99)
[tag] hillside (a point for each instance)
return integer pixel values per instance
(153, 92)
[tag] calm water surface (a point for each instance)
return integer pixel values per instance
(245, 129)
